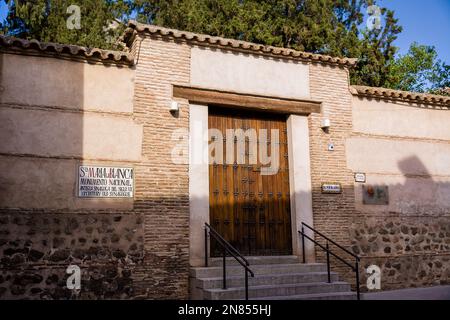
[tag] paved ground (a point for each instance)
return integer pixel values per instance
(431, 293)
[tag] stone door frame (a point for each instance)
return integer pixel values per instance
(299, 165)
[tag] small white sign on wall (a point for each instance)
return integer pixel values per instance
(105, 182)
(360, 177)
(331, 187)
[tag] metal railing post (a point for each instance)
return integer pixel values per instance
(246, 284)
(303, 244)
(326, 248)
(357, 279)
(328, 263)
(224, 285)
(206, 246)
(227, 247)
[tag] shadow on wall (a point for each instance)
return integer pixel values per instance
(409, 239)
(44, 228)
(42, 137)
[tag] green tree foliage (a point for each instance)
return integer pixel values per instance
(334, 27)
(376, 51)
(46, 20)
(419, 70)
(442, 83)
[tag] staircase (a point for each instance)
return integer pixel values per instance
(276, 278)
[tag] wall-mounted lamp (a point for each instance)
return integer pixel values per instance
(325, 124)
(174, 108)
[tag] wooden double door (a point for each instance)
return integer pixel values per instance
(250, 209)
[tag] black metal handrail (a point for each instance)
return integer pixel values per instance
(326, 248)
(227, 247)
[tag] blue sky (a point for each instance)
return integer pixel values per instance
(424, 21)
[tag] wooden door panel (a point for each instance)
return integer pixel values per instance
(250, 210)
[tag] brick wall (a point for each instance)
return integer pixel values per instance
(162, 193)
(332, 213)
(136, 249)
(410, 245)
(141, 249)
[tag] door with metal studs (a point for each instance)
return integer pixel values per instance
(249, 209)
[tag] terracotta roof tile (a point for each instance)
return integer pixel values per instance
(34, 47)
(232, 44)
(407, 96)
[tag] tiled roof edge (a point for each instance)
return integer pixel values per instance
(233, 44)
(398, 95)
(34, 47)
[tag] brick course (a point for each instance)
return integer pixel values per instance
(162, 187)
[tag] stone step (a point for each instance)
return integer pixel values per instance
(258, 280)
(230, 261)
(276, 290)
(315, 296)
(211, 272)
